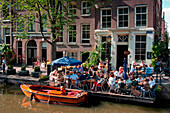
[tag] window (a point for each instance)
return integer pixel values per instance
(123, 38)
(72, 54)
(140, 47)
(7, 31)
(123, 15)
(106, 18)
(20, 25)
(141, 16)
(85, 8)
(31, 27)
(59, 37)
(44, 27)
(72, 8)
(5, 11)
(72, 34)
(104, 52)
(85, 31)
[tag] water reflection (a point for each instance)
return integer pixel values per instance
(12, 100)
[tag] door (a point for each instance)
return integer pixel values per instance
(121, 55)
(32, 55)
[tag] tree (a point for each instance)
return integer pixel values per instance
(53, 14)
(95, 55)
(159, 50)
(8, 53)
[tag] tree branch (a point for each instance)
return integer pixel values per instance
(40, 18)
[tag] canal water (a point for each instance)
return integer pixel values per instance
(12, 100)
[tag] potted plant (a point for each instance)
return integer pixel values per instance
(23, 71)
(36, 72)
(10, 70)
(43, 77)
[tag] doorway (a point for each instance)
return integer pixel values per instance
(31, 52)
(121, 55)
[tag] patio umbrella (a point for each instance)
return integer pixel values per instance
(66, 61)
(125, 68)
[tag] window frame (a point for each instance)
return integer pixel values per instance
(122, 7)
(141, 42)
(72, 52)
(72, 8)
(61, 36)
(32, 26)
(142, 13)
(72, 31)
(85, 8)
(82, 34)
(101, 21)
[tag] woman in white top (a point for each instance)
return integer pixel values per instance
(112, 80)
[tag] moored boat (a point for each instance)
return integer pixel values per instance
(54, 95)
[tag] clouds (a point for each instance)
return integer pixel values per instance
(167, 16)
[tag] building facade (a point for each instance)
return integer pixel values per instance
(130, 25)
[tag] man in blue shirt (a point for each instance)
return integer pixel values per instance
(75, 68)
(80, 68)
(74, 77)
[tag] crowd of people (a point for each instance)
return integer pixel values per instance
(99, 78)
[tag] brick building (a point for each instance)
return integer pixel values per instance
(128, 24)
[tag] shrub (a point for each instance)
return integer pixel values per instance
(10, 67)
(37, 69)
(23, 68)
(13, 61)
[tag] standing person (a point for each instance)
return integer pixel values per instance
(3, 64)
(133, 68)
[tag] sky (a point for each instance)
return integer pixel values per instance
(166, 9)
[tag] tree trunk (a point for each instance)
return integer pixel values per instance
(53, 51)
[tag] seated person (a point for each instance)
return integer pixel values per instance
(149, 70)
(80, 68)
(145, 86)
(134, 83)
(128, 82)
(111, 81)
(101, 64)
(87, 75)
(63, 90)
(99, 82)
(115, 72)
(133, 68)
(53, 75)
(75, 68)
(66, 78)
(140, 80)
(74, 77)
(121, 72)
(82, 76)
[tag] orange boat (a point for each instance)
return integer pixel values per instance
(54, 95)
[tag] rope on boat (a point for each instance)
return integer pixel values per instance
(31, 97)
(48, 100)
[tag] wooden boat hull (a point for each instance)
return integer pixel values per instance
(52, 98)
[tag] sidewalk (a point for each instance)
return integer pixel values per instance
(29, 68)
(22, 78)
